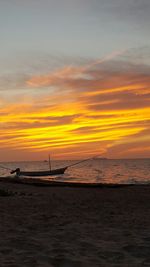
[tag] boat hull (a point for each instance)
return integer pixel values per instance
(40, 173)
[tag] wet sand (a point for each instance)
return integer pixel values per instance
(74, 227)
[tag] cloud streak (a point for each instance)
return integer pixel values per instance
(85, 109)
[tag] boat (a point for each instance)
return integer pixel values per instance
(39, 173)
(44, 173)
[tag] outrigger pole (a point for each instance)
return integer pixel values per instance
(80, 162)
(2, 167)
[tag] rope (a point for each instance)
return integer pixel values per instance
(2, 167)
(80, 162)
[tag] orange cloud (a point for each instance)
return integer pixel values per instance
(93, 109)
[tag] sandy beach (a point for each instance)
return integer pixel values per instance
(74, 227)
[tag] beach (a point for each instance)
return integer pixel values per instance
(54, 226)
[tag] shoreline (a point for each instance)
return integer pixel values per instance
(44, 182)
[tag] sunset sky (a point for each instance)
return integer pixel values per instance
(74, 79)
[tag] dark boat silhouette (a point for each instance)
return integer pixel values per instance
(45, 173)
(39, 173)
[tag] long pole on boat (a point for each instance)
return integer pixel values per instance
(50, 167)
(80, 161)
(2, 167)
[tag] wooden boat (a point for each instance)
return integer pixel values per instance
(39, 173)
(44, 173)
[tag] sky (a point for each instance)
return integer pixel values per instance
(74, 79)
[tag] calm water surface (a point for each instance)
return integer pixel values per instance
(97, 170)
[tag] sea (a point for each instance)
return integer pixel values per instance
(114, 171)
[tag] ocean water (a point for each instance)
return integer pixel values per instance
(116, 171)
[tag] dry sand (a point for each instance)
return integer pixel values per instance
(74, 227)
